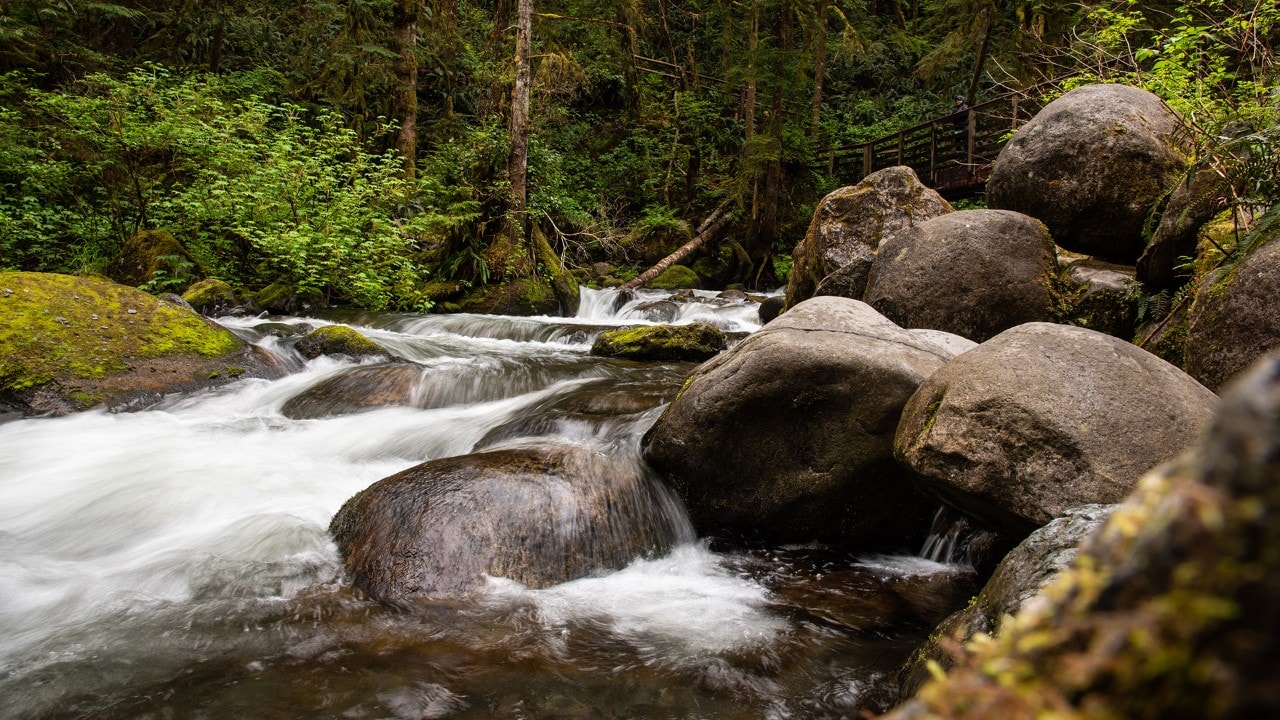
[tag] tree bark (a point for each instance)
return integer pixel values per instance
(819, 72)
(709, 227)
(518, 161)
(406, 68)
(749, 111)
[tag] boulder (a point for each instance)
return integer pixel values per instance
(695, 342)
(279, 298)
(154, 257)
(1169, 609)
(1193, 202)
(540, 514)
(852, 222)
(1020, 576)
(517, 296)
(68, 343)
(788, 435)
(211, 296)
(1235, 317)
(850, 279)
(1043, 418)
(338, 340)
(676, 277)
(1092, 166)
(1100, 296)
(366, 387)
(771, 307)
(973, 273)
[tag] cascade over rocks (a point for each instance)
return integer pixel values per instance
(366, 387)
(1092, 166)
(1019, 577)
(540, 514)
(1169, 610)
(788, 435)
(973, 273)
(1043, 418)
(850, 223)
(1235, 318)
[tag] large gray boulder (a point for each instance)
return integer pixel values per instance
(973, 273)
(540, 514)
(1236, 316)
(789, 434)
(851, 222)
(1092, 166)
(1043, 418)
(1020, 576)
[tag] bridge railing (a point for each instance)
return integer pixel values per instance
(952, 154)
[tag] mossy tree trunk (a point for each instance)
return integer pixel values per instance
(406, 68)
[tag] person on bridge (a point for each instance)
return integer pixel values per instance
(961, 122)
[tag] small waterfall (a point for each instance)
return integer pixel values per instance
(948, 537)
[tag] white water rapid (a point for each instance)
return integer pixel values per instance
(175, 561)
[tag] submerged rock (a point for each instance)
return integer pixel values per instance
(540, 515)
(338, 340)
(1043, 418)
(973, 273)
(1092, 166)
(1169, 610)
(68, 343)
(694, 342)
(850, 223)
(358, 389)
(789, 434)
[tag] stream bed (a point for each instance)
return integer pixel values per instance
(174, 562)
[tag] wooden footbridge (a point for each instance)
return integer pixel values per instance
(952, 154)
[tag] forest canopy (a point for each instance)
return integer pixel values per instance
(397, 153)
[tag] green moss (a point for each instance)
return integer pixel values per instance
(210, 293)
(691, 343)
(338, 340)
(676, 277)
(60, 327)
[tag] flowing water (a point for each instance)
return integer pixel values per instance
(174, 562)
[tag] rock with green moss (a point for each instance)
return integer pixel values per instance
(155, 257)
(1235, 317)
(211, 296)
(520, 296)
(68, 343)
(338, 340)
(1043, 418)
(1098, 296)
(280, 298)
(850, 223)
(676, 277)
(1168, 610)
(695, 342)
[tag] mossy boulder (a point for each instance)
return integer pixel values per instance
(1235, 317)
(338, 340)
(1168, 610)
(211, 296)
(1092, 166)
(695, 342)
(68, 343)
(1096, 295)
(519, 296)
(280, 298)
(154, 256)
(676, 277)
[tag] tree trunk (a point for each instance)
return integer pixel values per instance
(749, 109)
(406, 69)
(982, 57)
(819, 72)
(518, 161)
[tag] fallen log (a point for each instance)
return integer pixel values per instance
(709, 227)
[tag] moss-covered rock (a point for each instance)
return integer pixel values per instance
(338, 340)
(521, 296)
(211, 296)
(281, 299)
(675, 277)
(68, 343)
(1169, 609)
(154, 256)
(669, 343)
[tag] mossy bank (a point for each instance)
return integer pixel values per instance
(69, 343)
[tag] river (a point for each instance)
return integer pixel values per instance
(174, 562)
